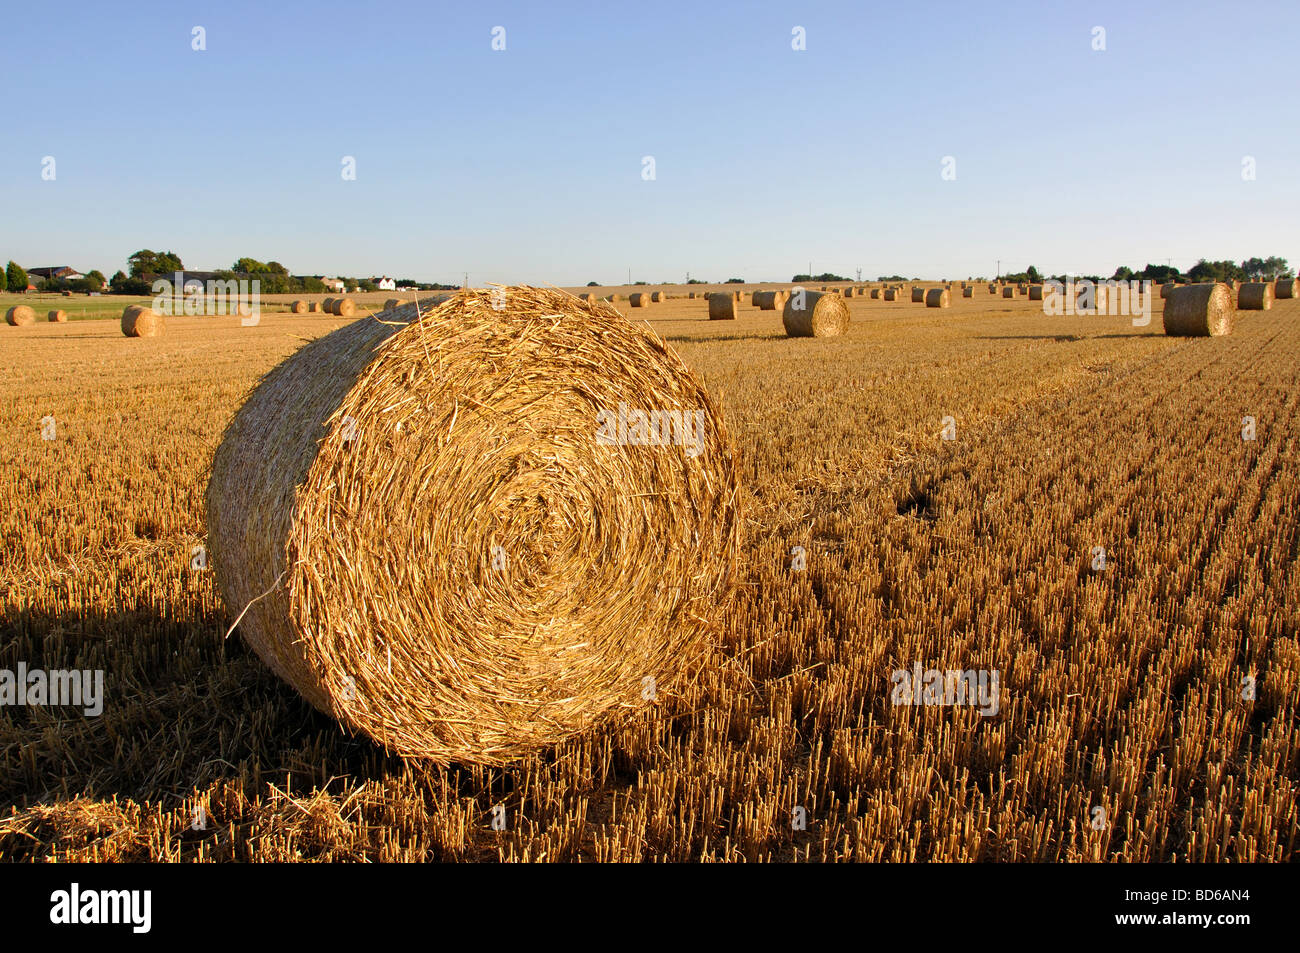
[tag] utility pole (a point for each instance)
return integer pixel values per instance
(999, 274)
(859, 274)
(466, 285)
(629, 276)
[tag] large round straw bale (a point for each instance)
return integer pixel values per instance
(848, 292)
(1284, 288)
(345, 307)
(993, 288)
(918, 294)
(57, 317)
(298, 307)
(313, 307)
(1199, 310)
(1035, 292)
(875, 293)
(638, 300)
(20, 315)
(1166, 288)
(587, 296)
(938, 298)
(657, 296)
(612, 298)
(1009, 291)
(968, 291)
(770, 300)
(327, 305)
(813, 314)
(141, 322)
(891, 294)
(1255, 296)
(473, 557)
(722, 307)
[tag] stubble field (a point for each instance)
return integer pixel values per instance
(1147, 710)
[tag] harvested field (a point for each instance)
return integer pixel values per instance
(1120, 688)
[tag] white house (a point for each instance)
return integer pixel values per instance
(385, 283)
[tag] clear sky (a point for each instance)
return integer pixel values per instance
(526, 165)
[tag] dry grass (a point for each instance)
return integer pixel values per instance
(1121, 689)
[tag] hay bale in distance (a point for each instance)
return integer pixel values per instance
(588, 297)
(1284, 288)
(875, 293)
(918, 294)
(57, 317)
(993, 288)
(657, 296)
(344, 307)
(20, 315)
(938, 298)
(1200, 310)
(770, 300)
(299, 307)
(327, 305)
(722, 307)
(141, 322)
(1035, 292)
(1009, 291)
(1255, 296)
(313, 307)
(639, 299)
(968, 291)
(691, 295)
(891, 294)
(815, 314)
(340, 495)
(848, 292)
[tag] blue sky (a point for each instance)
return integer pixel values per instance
(525, 165)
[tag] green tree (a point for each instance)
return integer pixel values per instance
(1033, 275)
(1123, 273)
(4, 281)
(95, 280)
(15, 277)
(146, 262)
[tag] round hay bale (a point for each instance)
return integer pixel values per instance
(1199, 310)
(691, 295)
(891, 294)
(848, 292)
(657, 296)
(57, 317)
(141, 322)
(918, 294)
(968, 291)
(993, 288)
(472, 559)
(1035, 292)
(327, 305)
(638, 300)
(875, 293)
(770, 300)
(938, 298)
(722, 307)
(1255, 296)
(613, 298)
(313, 307)
(298, 307)
(345, 307)
(20, 315)
(813, 314)
(1284, 288)
(1009, 291)
(1166, 288)
(588, 297)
